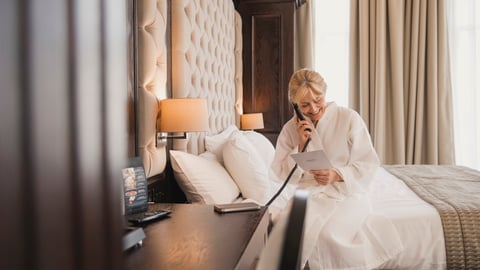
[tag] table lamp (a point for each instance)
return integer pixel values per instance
(251, 121)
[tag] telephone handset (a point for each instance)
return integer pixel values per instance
(299, 114)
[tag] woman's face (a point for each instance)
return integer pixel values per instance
(312, 105)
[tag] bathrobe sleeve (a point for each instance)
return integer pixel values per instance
(287, 144)
(362, 160)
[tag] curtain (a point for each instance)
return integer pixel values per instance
(464, 38)
(400, 79)
(303, 47)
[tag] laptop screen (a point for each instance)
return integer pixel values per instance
(135, 190)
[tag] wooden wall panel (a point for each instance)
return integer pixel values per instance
(266, 95)
(268, 53)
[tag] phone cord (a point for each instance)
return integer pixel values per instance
(288, 177)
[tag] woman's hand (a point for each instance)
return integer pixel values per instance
(304, 130)
(327, 176)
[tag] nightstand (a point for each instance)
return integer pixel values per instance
(163, 188)
(196, 237)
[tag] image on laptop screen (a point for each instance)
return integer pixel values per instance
(135, 187)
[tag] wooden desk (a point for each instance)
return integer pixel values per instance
(196, 237)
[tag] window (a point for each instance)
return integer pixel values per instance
(464, 38)
(331, 26)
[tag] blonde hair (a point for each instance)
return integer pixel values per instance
(303, 81)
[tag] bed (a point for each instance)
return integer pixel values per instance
(435, 209)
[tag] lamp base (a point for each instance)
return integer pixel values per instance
(163, 136)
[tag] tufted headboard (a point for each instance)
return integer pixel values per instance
(191, 49)
(152, 70)
(207, 61)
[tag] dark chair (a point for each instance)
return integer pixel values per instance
(283, 249)
(292, 244)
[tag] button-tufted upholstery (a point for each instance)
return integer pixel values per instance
(152, 79)
(207, 61)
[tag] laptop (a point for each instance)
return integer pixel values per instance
(135, 194)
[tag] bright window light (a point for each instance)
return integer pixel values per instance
(464, 40)
(331, 50)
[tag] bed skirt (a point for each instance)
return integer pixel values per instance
(455, 192)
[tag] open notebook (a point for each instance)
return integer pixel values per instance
(135, 194)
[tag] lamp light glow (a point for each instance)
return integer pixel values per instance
(182, 115)
(251, 121)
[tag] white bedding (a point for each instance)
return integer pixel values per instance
(417, 222)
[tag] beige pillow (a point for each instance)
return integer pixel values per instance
(214, 143)
(203, 180)
(264, 147)
(247, 168)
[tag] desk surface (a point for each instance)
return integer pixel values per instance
(196, 237)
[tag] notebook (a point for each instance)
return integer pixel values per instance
(135, 194)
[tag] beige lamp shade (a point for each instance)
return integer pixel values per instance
(183, 115)
(251, 121)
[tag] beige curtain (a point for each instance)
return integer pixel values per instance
(400, 79)
(303, 47)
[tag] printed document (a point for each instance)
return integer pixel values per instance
(314, 160)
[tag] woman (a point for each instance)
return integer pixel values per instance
(341, 231)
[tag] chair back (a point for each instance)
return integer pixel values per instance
(292, 244)
(283, 249)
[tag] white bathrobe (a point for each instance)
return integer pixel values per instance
(341, 232)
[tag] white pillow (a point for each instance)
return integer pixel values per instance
(209, 155)
(263, 146)
(247, 168)
(203, 180)
(215, 143)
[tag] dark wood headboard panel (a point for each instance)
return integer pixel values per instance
(268, 57)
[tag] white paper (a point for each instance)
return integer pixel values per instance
(314, 160)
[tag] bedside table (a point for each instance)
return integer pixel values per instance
(196, 237)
